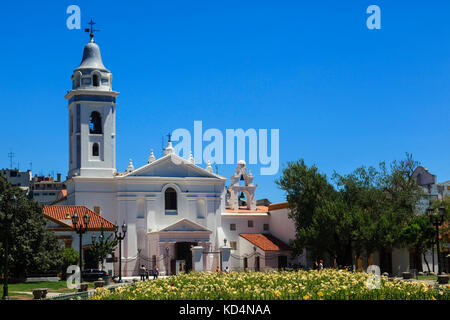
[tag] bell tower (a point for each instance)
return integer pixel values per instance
(92, 124)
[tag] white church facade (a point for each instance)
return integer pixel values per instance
(179, 216)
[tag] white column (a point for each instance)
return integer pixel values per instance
(197, 258)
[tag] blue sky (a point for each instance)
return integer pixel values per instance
(340, 94)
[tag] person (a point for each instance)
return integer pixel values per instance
(227, 270)
(218, 269)
(155, 273)
(143, 272)
(315, 265)
(321, 265)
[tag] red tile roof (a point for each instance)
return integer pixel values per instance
(243, 209)
(280, 205)
(64, 213)
(266, 242)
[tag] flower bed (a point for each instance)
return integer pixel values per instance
(285, 285)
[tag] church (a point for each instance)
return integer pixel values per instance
(179, 216)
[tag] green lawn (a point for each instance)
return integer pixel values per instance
(15, 290)
(430, 277)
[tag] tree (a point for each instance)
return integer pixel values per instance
(102, 247)
(69, 257)
(33, 248)
(444, 230)
(363, 213)
(418, 233)
(312, 208)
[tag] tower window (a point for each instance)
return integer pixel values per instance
(95, 122)
(95, 80)
(95, 150)
(170, 199)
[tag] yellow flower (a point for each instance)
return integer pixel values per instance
(305, 297)
(320, 293)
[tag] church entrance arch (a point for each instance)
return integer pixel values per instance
(183, 257)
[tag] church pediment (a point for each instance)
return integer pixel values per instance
(185, 225)
(172, 166)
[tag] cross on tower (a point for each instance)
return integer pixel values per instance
(170, 137)
(91, 29)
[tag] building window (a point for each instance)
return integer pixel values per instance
(266, 227)
(95, 80)
(233, 226)
(95, 151)
(170, 201)
(250, 223)
(78, 117)
(95, 122)
(97, 210)
(233, 245)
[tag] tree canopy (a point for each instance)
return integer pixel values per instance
(360, 212)
(32, 248)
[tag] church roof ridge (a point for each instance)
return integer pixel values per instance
(178, 158)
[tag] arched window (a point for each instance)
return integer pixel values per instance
(95, 149)
(95, 80)
(76, 80)
(95, 122)
(170, 200)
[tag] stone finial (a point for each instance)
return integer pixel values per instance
(191, 158)
(130, 167)
(208, 167)
(151, 158)
(169, 149)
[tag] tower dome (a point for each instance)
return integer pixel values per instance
(92, 74)
(92, 58)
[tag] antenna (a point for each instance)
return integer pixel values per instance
(11, 157)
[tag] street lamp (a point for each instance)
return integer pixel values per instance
(7, 221)
(437, 220)
(167, 260)
(81, 227)
(100, 243)
(120, 236)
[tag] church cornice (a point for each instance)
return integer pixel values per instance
(78, 92)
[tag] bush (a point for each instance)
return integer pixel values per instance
(328, 284)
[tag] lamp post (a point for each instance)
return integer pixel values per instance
(120, 236)
(7, 222)
(81, 227)
(437, 221)
(167, 260)
(101, 244)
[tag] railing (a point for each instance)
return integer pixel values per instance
(85, 294)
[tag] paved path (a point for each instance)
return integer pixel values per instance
(49, 294)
